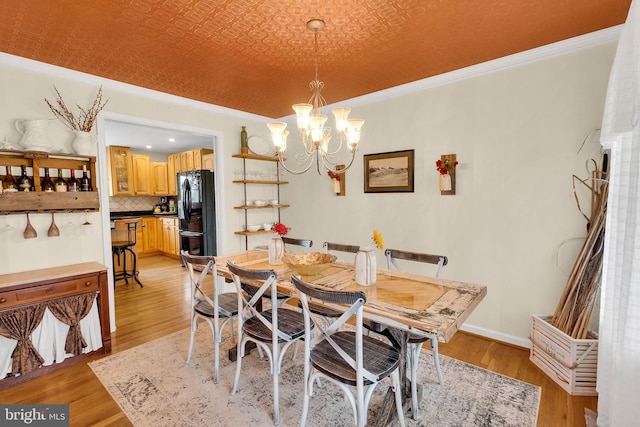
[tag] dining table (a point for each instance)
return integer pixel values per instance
(405, 303)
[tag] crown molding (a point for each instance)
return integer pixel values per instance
(596, 38)
(575, 44)
(78, 76)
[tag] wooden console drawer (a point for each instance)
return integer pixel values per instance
(22, 289)
(30, 295)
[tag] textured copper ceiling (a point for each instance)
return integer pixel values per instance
(257, 56)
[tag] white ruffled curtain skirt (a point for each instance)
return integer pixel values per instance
(49, 339)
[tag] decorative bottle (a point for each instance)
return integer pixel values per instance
(24, 182)
(365, 266)
(9, 183)
(73, 184)
(244, 143)
(60, 184)
(47, 184)
(85, 182)
(276, 250)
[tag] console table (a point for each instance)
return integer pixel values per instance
(29, 288)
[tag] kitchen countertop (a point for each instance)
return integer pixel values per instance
(115, 216)
(131, 214)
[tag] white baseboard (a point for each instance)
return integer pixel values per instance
(498, 336)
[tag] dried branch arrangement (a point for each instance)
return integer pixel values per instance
(85, 120)
(574, 310)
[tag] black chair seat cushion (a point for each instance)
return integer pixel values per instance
(415, 339)
(379, 327)
(379, 358)
(120, 245)
(227, 301)
(322, 310)
(289, 322)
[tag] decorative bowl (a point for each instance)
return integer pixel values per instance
(273, 201)
(253, 227)
(260, 203)
(309, 264)
(267, 226)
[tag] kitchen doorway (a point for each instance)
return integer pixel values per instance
(138, 132)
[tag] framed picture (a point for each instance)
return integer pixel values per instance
(388, 172)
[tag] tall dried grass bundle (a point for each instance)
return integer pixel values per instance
(574, 310)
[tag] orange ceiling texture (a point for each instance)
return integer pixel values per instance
(257, 55)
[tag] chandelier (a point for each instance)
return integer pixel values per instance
(311, 124)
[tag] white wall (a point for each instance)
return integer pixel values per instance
(24, 84)
(516, 134)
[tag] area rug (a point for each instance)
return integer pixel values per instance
(155, 387)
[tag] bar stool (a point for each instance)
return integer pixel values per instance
(120, 248)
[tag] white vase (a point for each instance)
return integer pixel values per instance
(32, 133)
(276, 251)
(365, 266)
(335, 186)
(445, 182)
(84, 143)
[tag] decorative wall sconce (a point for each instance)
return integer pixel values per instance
(338, 181)
(446, 166)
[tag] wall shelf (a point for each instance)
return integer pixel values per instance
(245, 182)
(259, 181)
(39, 201)
(261, 207)
(21, 202)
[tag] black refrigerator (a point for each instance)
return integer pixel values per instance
(197, 212)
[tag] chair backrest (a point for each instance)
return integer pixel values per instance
(132, 232)
(354, 302)
(305, 243)
(199, 267)
(328, 246)
(394, 254)
(257, 284)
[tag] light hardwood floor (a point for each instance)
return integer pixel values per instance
(162, 307)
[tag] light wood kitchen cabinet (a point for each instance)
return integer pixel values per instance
(150, 227)
(159, 178)
(120, 171)
(173, 167)
(141, 181)
(186, 161)
(170, 236)
(200, 158)
(208, 162)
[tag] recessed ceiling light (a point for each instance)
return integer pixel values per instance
(148, 147)
(172, 140)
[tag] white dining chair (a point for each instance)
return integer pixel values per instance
(416, 341)
(210, 307)
(345, 358)
(273, 330)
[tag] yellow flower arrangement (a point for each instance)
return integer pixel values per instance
(377, 239)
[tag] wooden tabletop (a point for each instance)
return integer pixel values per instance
(415, 303)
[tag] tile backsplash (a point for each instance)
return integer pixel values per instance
(132, 203)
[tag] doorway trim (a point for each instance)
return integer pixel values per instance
(217, 138)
